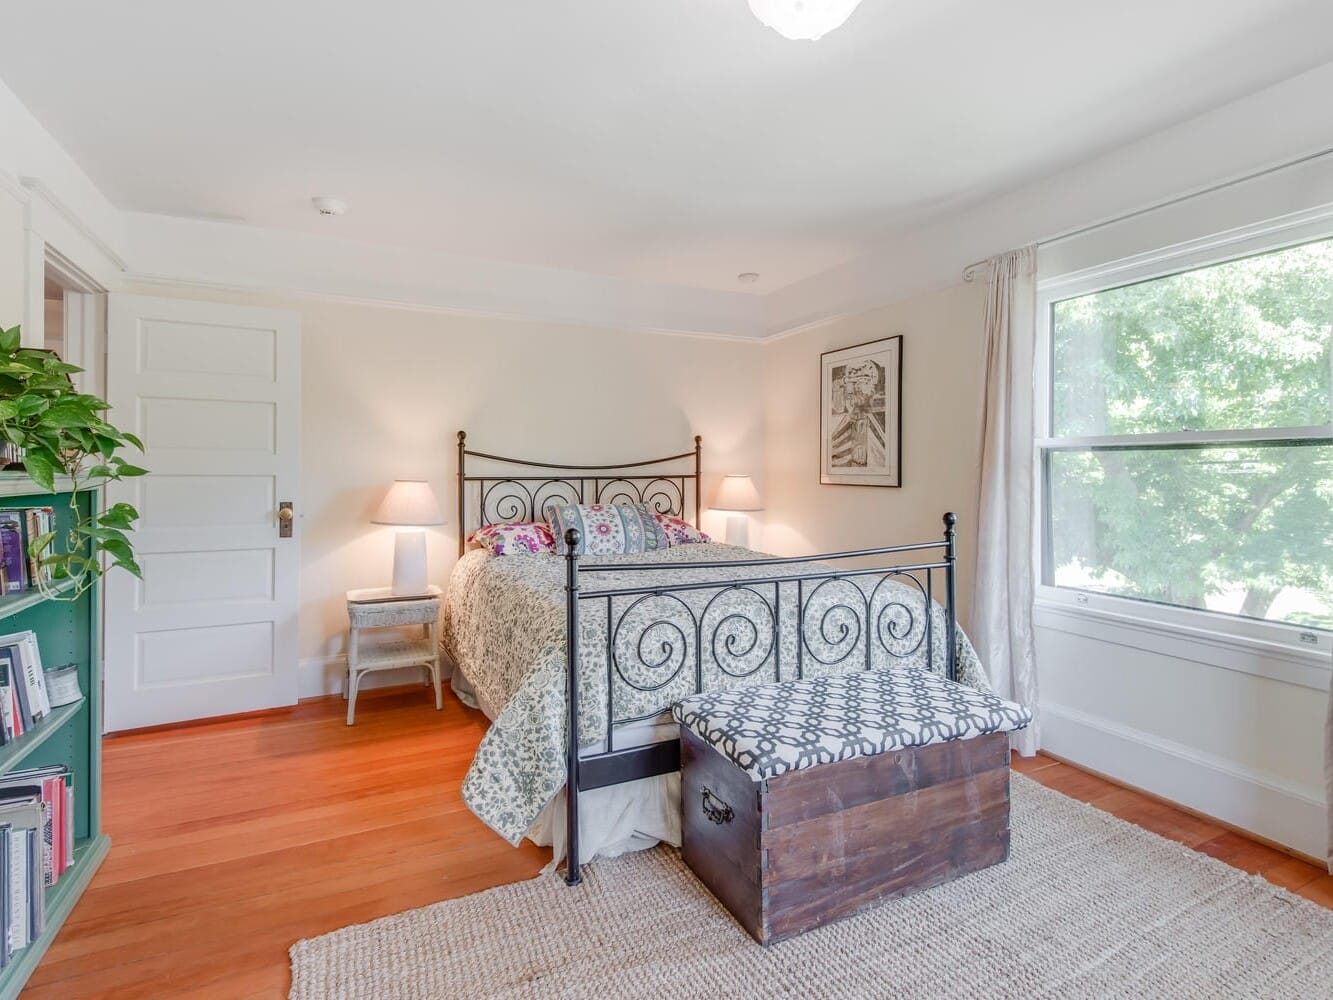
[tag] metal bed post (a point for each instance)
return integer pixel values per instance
(698, 489)
(950, 618)
(462, 487)
(572, 873)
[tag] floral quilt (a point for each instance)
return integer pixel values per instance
(505, 627)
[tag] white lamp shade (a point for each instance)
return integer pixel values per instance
(409, 502)
(803, 20)
(737, 493)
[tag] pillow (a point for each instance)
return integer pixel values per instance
(607, 529)
(515, 538)
(679, 531)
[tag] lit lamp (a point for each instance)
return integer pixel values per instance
(737, 493)
(411, 505)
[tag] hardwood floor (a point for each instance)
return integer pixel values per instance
(233, 840)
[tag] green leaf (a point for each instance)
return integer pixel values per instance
(67, 413)
(119, 549)
(9, 340)
(39, 544)
(41, 469)
(122, 515)
(132, 439)
(131, 470)
(9, 409)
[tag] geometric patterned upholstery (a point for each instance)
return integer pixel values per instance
(770, 729)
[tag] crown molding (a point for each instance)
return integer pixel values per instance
(138, 278)
(168, 250)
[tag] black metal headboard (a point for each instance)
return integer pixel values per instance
(522, 491)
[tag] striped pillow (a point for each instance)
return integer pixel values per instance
(607, 529)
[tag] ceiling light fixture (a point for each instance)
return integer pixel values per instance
(803, 20)
(747, 277)
(325, 205)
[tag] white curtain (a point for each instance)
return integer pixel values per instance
(1003, 592)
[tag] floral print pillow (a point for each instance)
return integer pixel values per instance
(607, 529)
(679, 531)
(515, 538)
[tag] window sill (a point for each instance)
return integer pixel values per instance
(1139, 626)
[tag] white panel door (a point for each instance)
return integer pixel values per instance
(214, 392)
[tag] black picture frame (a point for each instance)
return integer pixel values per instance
(861, 414)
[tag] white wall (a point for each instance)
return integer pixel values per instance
(943, 361)
(385, 390)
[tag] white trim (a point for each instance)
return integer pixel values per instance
(1270, 649)
(1188, 439)
(74, 220)
(167, 281)
(1242, 241)
(1245, 797)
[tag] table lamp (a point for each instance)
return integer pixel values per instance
(411, 505)
(737, 493)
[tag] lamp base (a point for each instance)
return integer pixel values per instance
(409, 563)
(738, 530)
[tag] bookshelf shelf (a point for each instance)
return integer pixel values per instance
(12, 604)
(68, 631)
(13, 754)
(60, 900)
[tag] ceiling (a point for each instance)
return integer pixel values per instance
(674, 142)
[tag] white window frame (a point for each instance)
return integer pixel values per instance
(1281, 651)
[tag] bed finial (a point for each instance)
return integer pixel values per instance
(462, 436)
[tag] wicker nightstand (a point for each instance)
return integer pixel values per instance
(371, 609)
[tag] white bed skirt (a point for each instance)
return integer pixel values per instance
(632, 816)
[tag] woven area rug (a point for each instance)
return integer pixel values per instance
(1087, 906)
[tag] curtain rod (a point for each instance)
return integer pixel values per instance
(973, 270)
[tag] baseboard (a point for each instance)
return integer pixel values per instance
(318, 676)
(1240, 796)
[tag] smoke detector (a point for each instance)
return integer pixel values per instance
(747, 277)
(329, 206)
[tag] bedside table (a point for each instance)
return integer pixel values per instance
(379, 608)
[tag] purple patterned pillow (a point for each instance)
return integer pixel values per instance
(607, 529)
(679, 531)
(515, 538)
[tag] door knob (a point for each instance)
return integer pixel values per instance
(285, 517)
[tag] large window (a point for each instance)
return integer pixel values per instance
(1189, 460)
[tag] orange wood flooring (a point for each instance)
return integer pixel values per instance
(232, 840)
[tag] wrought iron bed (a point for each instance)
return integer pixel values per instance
(520, 489)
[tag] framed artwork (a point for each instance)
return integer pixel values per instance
(861, 414)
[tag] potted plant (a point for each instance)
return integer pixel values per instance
(61, 432)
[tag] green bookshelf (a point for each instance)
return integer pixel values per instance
(67, 632)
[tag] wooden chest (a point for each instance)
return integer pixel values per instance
(789, 853)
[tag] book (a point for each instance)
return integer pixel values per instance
(38, 521)
(11, 552)
(53, 783)
(6, 912)
(23, 718)
(21, 809)
(33, 673)
(7, 731)
(29, 678)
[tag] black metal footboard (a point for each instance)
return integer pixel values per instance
(733, 633)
